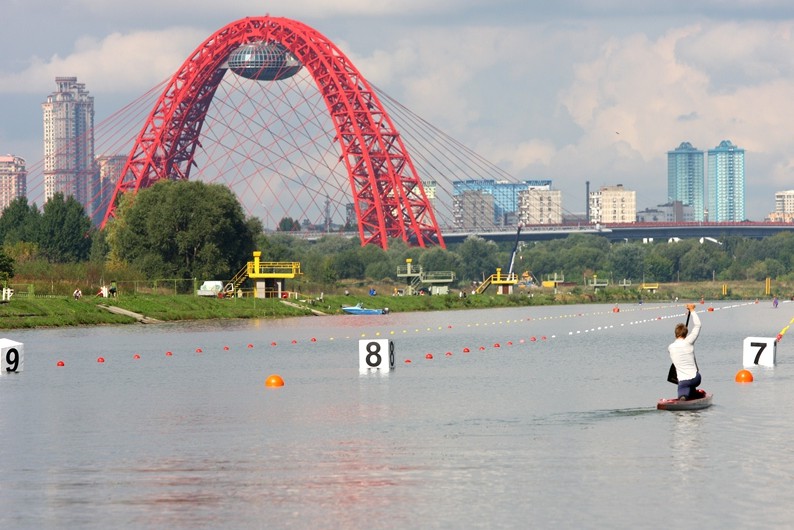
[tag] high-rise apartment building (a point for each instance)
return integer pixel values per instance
(613, 204)
(539, 207)
(69, 144)
(473, 210)
(784, 207)
(109, 168)
(685, 178)
(13, 179)
(726, 183)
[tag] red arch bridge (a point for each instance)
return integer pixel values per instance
(384, 189)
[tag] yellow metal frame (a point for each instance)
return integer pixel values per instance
(258, 270)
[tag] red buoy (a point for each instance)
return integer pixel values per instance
(136, 356)
(429, 356)
(100, 359)
(60, 363)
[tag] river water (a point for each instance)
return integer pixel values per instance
(548, 421)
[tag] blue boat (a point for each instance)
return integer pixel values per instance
(359, 309)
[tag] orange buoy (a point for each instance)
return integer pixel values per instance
(744, 376)
(60, 363)
(100, 359)
(274, 380)
(136, 356)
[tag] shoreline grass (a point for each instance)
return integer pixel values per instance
(60, 311)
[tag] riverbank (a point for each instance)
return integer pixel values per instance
(55, 311)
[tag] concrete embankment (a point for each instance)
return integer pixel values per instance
(143, 319)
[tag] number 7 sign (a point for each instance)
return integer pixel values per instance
(759, 351)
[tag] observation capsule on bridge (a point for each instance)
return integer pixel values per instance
(263, 61)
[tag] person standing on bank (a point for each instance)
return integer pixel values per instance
(682, 353)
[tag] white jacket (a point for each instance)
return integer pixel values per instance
(682, 352)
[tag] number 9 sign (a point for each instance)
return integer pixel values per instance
(11, 356)
(375, 355)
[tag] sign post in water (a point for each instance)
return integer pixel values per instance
(12, 355)
(375, 355)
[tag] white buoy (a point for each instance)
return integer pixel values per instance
(375, 354)
(12, 356)
(759, 351)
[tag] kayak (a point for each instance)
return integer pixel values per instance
(689, 404)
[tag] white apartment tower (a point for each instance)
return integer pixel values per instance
(784, 207)
(69, 144)
(13, 179)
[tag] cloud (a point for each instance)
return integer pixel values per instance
(119, 63)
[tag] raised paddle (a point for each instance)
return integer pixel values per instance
(672, 374)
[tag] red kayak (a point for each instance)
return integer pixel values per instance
(689, 404)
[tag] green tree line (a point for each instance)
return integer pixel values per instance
(180, 229)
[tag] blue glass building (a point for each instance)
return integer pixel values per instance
(726, 183)
(685, 178)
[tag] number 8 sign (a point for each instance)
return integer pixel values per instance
(375, 355)
(11, 356)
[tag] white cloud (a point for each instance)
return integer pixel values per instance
(120, 63)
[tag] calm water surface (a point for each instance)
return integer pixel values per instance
(559, 431)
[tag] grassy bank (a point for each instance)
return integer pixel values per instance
(55, 311)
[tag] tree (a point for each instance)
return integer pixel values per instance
(64, 231)
(182, 229)
(288, 224)
(478, 258)
(19, 222)
(627, 261)
(6, 266)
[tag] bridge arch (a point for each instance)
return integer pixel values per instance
(387, 193)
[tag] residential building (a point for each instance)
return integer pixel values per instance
(504, 193)
(109, 168)
(672, 212)
(69, 144)
(726, 183)
(473, 210)
(685, 178)
(613, 204)
(539, 207)
(13, 179)
(784, 207)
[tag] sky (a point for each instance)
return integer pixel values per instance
(570, 90)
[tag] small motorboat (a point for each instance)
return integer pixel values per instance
(359, 309)
(690, 404)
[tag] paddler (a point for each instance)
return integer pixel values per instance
(682, 353)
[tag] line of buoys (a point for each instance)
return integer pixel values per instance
(274, 380)
(744, 376)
